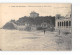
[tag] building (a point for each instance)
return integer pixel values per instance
(34, 14)
(63, 23)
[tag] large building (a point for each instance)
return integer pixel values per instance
(34, 14)
(63, 23)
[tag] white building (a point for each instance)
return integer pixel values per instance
(63, 23)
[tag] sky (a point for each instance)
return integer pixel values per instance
(15, 11)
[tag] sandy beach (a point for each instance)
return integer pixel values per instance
(15, 40)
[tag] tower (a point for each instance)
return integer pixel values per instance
(34, 14)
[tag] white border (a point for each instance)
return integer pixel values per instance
(75, 29)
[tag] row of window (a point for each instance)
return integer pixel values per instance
(65, 23)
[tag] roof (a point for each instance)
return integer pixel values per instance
(33, 12)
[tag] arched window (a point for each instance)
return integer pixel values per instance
(69, 23)
(60, 23)
(64, 23)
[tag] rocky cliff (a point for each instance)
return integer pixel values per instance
(8, 26)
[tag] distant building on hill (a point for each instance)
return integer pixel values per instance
(34, 14)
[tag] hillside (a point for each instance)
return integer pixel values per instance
(8, 26)
(31, 21)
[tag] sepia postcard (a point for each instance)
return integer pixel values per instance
(35, 27)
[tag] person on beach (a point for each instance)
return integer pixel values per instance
(44, 31)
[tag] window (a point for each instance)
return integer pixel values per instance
(66, 23)
(69, 23)
(62, 23)
(58, 23)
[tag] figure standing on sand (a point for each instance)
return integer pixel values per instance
(44, 31)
